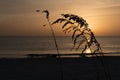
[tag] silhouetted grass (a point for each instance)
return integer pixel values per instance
(53, 34)
(82, 34)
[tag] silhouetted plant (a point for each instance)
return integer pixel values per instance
(53, 34)
(82, 34)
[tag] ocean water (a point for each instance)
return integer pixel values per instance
(21, 46)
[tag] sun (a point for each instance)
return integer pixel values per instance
(88, 50)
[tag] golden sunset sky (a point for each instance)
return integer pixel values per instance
(19, 17)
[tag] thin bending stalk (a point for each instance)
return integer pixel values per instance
(53, 34)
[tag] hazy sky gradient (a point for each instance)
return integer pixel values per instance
(18, 17)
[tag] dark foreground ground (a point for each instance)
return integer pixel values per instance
(84, 68)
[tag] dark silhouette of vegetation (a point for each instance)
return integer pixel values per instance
(53, 34)
(82, 34)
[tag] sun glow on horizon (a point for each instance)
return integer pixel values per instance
(21, 19)
(88, 50)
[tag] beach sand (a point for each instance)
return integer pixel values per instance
(81, 68)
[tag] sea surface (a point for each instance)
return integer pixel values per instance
(21, 46)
